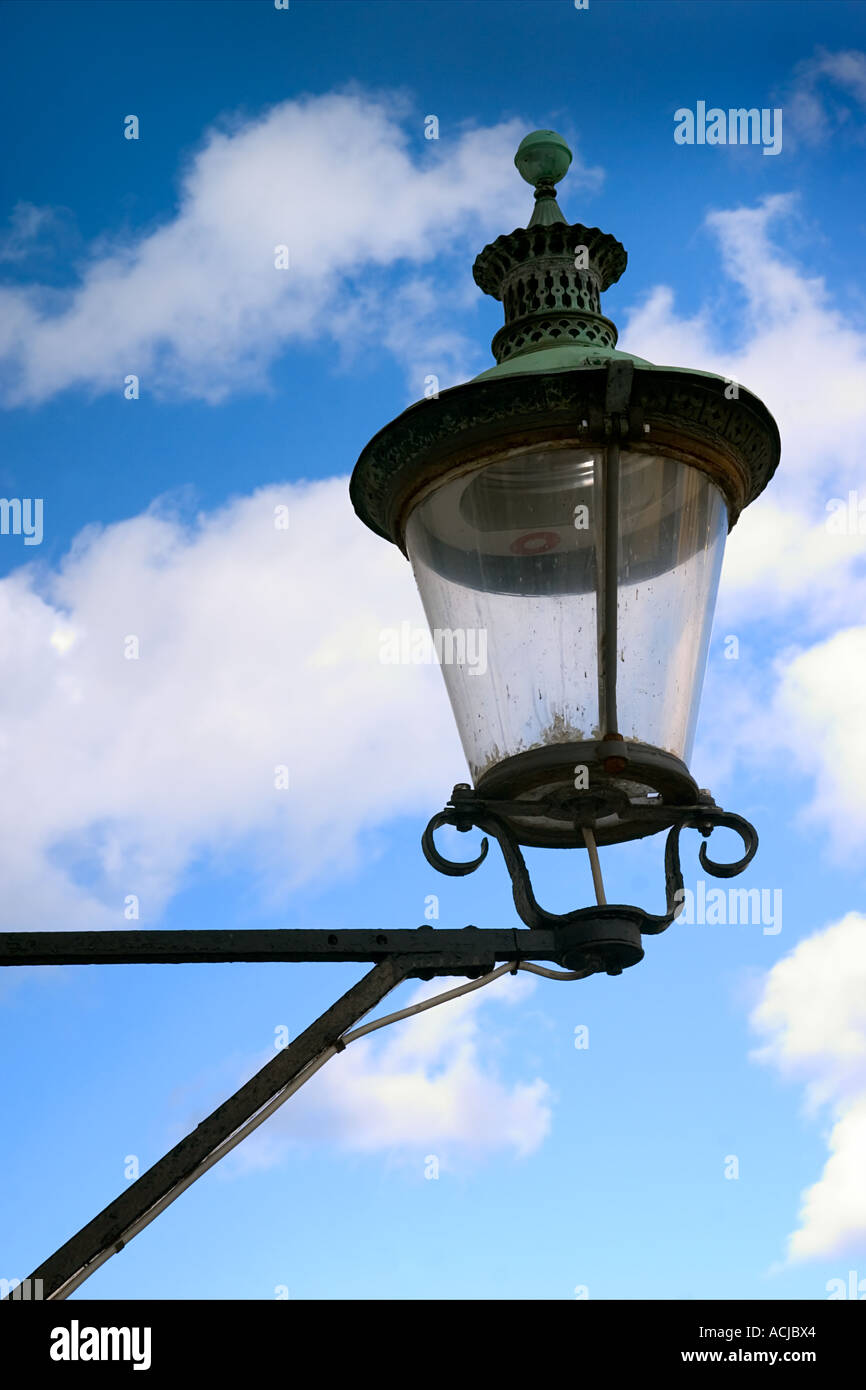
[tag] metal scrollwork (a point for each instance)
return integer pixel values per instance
(453, 868)
(467, 810)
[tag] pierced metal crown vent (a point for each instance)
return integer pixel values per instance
(547, 299)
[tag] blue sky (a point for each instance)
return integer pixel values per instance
(559, 1168)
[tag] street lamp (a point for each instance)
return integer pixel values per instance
(570, 506)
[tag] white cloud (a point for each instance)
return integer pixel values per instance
(786, 557)
(828, 94)
(426, 1085)
(196, 307)
(833, 1212)
(813, 1015)
(796, 714)
(791, 345)
(26, 222)
(819, 705)
(258, 647)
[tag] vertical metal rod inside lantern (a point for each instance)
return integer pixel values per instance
(607, 586)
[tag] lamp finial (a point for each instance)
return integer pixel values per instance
(543, 159)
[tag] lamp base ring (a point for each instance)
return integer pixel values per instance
(606, 785)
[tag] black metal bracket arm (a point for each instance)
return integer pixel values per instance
(606, 937)
(426, 952)
(467, 952)
(587, 941)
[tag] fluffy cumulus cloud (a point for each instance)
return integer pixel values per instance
(424, 1087)
(812, 1014)
(258, 649)
(198, 308)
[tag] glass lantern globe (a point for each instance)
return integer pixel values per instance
(510, 561)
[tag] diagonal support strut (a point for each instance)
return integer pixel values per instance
(106, 1234)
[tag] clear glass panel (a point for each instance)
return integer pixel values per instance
(508, 560)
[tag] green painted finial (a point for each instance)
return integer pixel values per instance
(543, 159)
(550, 275)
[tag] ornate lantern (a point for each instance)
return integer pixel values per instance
(568, 508)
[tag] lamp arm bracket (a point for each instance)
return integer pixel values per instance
(467, 810)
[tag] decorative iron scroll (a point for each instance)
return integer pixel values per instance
(466, 810)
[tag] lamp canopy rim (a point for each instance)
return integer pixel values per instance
(680, 413)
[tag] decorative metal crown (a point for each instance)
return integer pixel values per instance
(551, 274)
